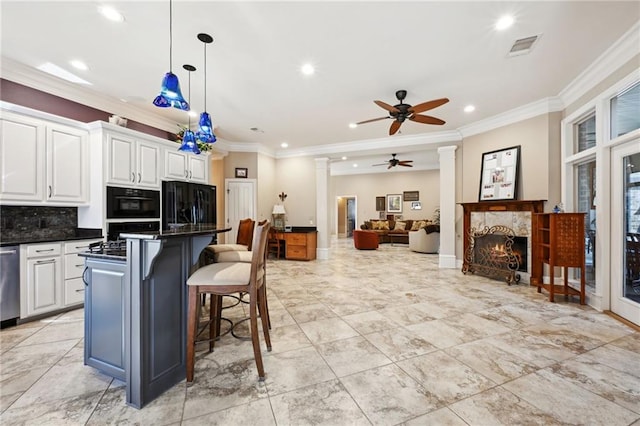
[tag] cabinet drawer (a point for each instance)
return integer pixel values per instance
(78, 246)
(297, 239)
(296, 252)
(73, 266)
(39, 250)
(74, 291)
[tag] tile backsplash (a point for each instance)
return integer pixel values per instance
(33, 222)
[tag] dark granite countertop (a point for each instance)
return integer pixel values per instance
(57, 235)
(177, 231)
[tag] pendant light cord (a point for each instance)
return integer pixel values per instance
(205, 77)
(171, 37)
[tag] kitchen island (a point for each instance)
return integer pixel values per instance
(136, 308)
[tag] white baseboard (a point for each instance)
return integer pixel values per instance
(322, 253)
(447, 261)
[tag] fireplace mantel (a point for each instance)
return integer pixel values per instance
(533, 206)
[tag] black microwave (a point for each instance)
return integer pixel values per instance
(132, 203)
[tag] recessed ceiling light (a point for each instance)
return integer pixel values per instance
(504, 22)
(307, 69)
(79, 65)
(55, 70)
(352, 125)
(284, 145)
(355, 165)
(111, 14)
(469, 108)
(344, 158)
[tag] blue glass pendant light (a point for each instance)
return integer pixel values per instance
(205, 128)
(189, 142)
(170, 94)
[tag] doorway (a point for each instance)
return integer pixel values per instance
(346, 216)
(625, 227)
(240, 203)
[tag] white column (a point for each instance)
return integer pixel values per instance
(447, 206)
(322, 210)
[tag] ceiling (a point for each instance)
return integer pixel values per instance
(362, 51)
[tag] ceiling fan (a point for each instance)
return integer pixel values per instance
(401, 112)
(395, 162)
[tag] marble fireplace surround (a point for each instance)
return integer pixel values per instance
(512, 214)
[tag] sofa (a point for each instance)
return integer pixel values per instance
(398, 228)
(425, 240)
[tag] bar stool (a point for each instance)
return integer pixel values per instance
(243, 241)
(222, 279)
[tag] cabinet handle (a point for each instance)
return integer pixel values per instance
(139, 177)
(46, 261)
(80, 265)
(84, 279)
(133, 177)
(8, 252)
(81, 247)
(190, 175)
(80, 290)
(43, 250)
(49, 191)
(186, 174)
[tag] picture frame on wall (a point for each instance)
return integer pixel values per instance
(394, 203)
(499, 174)
(380, 204)
(242, 172)
(416, 205)
(411, 195)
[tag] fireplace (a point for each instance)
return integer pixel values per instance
(493, 252)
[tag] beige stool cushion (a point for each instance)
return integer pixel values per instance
(223, 274)
(219, 248)
(233, 256)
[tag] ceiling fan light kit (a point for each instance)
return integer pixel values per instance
(401, 112)
(170, 94)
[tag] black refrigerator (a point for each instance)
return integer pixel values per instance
(186, 202)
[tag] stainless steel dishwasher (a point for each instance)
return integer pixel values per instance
(9, 284)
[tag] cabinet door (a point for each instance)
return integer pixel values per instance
(67, 161)
(44, 290)
(198, 169)
(175, 165)
(148, 165)
(121, 160)
(21, 158)
(104, 317)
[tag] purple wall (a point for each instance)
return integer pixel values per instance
(41, 101)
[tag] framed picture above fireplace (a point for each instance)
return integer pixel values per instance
(499, 174)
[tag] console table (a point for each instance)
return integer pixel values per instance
(299, 245)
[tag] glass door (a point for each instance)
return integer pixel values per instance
(625, 236)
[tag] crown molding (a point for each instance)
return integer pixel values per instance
(36, 79)
(543, 106)
(331, 150)
(618, 54)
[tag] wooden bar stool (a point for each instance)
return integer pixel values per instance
(222, 279)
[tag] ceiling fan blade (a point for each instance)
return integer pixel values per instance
(405, 165)
(381, 164)
(386, 106)
(404, 162)
(390, 166)
(426, 119)
(372, 120)
(395, 126)
(426, 106)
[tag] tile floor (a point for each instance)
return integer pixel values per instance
(369, 337)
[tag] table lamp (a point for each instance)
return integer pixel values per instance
(278, 214)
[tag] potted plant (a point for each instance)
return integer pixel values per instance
(203, 147)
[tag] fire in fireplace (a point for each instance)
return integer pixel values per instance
(496, 252)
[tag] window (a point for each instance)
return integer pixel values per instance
(585, 134)
(625, 111)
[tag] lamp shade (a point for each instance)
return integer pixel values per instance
(205, 129)
(278, 209)
(170, 94)
(189, 143)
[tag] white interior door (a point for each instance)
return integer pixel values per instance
(625, 230)
(240, 203)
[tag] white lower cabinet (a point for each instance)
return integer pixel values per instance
(51, 276)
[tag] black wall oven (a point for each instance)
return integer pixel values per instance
(132, 203)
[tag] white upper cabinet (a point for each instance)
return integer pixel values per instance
(188, 167)
(42, 162)
(132, 162)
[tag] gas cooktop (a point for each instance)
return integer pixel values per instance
(112, 248)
